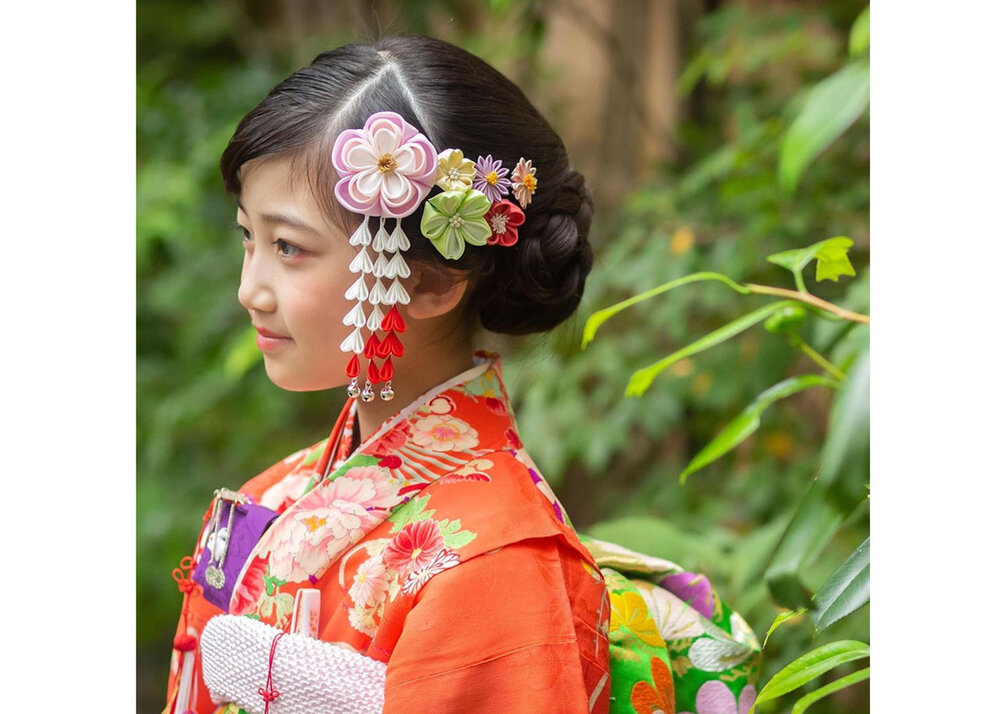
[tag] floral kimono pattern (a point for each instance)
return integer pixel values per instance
(435, 547)
(675, 646)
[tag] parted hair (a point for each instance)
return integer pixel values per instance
(457, 101)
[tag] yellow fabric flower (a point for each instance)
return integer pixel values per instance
(629, 610)
(455, 172)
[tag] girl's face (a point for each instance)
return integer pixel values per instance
(294, 277)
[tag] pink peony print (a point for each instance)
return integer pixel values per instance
(414, 547)
(714, 697)
(327, 521)
(444, 433)
(371, 584)
(282, 494)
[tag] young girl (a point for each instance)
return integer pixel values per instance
(394, 197)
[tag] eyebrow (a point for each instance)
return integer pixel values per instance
(282, 219)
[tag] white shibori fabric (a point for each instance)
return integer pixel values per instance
(311, 676)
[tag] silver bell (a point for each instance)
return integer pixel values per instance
(352, 389)
(367, 394)
(387, 393)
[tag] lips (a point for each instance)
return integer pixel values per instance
(268, 341)
(267, 333)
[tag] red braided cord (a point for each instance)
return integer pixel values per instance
(269, 693)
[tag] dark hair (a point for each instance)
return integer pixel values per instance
(457, 101)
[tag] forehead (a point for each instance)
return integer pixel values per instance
(270, 184)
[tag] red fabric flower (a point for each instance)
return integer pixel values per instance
(503, 218)
(414, 547)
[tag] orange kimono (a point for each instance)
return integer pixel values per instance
(438, 549)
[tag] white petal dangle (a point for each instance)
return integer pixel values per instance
(362, 236)
(358, 291)
(375, 319)
(397, 267)
(397, 239)
(396, 293)
(356, 316)
(378, 294)
(353, 343)
(378, 242)
(362, 262)
(378, 270)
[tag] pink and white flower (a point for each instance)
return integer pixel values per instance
(714, 697)
(444, 433)
(327, 521)
(371, 584)
(386, 169)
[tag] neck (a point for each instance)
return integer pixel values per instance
(414, 376)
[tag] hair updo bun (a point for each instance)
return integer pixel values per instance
(457, 101)
(538, 283)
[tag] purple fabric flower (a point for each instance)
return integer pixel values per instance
(491, 178)
(693, 588)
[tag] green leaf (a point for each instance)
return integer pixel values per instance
(859, 40)
(601, 316)
(832, 260)
(748, 421)
(834, 686)
(846, 590)
(832, 253)
(782, 618)
(844, 461)
(831, 106)
(810, 666)
(641, 379)
(811, 527)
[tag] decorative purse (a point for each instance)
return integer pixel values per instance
(234, 528)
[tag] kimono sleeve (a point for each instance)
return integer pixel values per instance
(517, 629)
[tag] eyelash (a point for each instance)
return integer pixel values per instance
(283, 245)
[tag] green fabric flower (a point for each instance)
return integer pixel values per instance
(454, 218)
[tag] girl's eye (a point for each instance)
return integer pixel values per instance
(245, 234)
(286, 249)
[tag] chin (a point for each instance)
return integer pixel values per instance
(296, 381)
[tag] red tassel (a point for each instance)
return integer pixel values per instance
(372, 346)
(391, 344)
(373, 375)
(185, 643)
(353, 367)
(387, 369)
(393, 321)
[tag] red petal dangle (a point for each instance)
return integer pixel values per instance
(373, 373)
(383, 349)
(391, 344)
(387, 370)
(372, 346)
(393, 321)
(353, 367)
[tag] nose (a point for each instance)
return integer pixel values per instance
(256, 292)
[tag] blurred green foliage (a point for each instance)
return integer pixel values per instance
(204, 418)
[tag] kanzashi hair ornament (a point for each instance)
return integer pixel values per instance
(386, 169)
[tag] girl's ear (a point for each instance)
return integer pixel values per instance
(435, 290)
